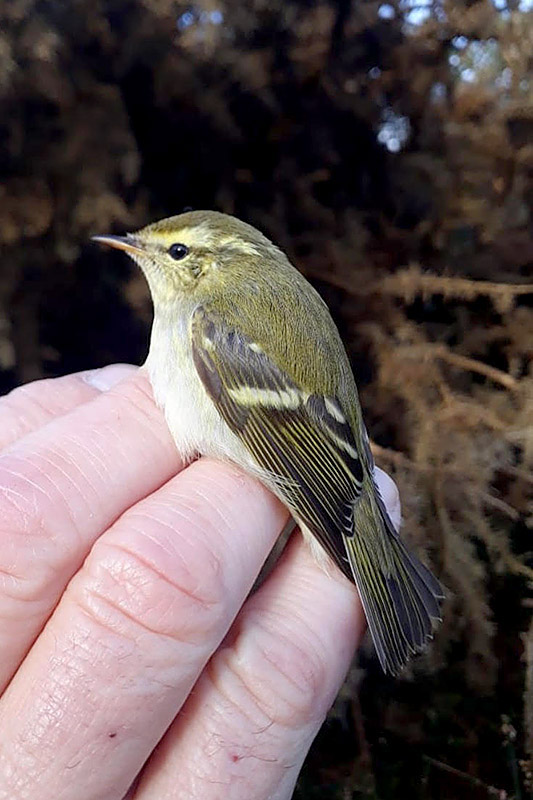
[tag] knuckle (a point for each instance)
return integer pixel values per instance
(22, 583)
(282, 674)
(32, 394)
(125, 590)
(23, 408)
(23, 536)
(18, 499)
(19, 398)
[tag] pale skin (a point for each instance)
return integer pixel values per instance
(125, 620)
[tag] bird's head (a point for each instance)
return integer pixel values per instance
(196, 249)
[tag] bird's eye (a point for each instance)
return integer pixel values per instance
(178, 251)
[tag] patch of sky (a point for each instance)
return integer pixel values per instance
(502, 6)
(386, 11)
(416, 12)
(474, 58)
(394, 130)
(185, 20)
(188, 18)
(459, 42)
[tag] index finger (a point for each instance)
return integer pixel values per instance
(60, 488)
(29, 407)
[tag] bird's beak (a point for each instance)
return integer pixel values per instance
(129, 243)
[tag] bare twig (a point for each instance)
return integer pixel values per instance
(492, 791)
(471, 364)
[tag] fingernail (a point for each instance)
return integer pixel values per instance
(107, 377)
(390, 495)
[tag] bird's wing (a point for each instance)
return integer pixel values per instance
(302, 439)
(303, 443)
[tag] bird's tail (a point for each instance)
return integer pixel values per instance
(400, 596)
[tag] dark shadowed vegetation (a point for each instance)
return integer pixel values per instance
(388, 148)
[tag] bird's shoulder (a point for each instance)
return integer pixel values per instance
(285, 318)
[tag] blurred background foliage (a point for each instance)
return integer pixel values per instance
(388, 148)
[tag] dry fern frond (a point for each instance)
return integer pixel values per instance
(412, 282)
(460, 437)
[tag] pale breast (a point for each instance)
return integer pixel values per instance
(194, 422)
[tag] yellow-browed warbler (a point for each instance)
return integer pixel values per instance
(248, 366)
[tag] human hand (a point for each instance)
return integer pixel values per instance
(124, 618)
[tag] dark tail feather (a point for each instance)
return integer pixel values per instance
(400, 596)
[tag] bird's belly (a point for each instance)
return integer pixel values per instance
(192, 418)
(187, 416)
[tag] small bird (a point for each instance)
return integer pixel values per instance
(248, 366)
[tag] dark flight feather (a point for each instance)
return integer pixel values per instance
(304, 441)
